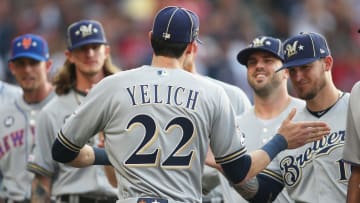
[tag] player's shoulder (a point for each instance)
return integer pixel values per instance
(59, 102)
(296, 103)
(10, 89)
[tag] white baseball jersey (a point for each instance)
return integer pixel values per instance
(316, 172)
(158, 124)
(258, 132)
(67, 179)
(352, 142)
(8, 92)
(17, 138)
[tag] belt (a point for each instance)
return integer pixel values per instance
(83, 199)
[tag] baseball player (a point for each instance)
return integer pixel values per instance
(316, 171)
(8, 92)
(29, 63)
(88, 61)
(210, 180)
(158, 121)
(351, 153)
(272, 103)
(213, 191)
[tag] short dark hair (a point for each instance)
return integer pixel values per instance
(170, 49)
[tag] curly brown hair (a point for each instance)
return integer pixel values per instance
(65, 78)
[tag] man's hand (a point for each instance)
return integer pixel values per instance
(302, 132)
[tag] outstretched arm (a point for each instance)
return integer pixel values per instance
(290, 135)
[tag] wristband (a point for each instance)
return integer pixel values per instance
(277, 144)
(101, 157)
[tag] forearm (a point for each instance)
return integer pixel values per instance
(259, 160)
(41, 189)
(78, 157)
(353, 195)
(110, 175)
(85, 157)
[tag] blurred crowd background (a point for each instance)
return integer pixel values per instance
(226, 26)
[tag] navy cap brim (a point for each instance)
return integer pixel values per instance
(85, 43)
(243, 55)
(299, 62)
(29, 55)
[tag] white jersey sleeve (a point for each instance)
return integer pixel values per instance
(351, 152)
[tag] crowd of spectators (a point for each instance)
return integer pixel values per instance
(225, 26)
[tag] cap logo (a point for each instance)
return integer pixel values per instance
(166, 35)
(259, 42)
(86, 30)
(26, 43)
(322, 51)
(291, 49)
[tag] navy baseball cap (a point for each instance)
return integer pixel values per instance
(261, 43)
(85, 32)
(176, 24)
(303, 49)
(29, 46)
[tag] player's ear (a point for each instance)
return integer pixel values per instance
(150, 34)
(328, 60)
(11, 67)
(49, 63)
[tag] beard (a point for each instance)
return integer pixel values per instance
(264, 90)
(311, 94)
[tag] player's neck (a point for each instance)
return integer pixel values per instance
(324, 99)
(166, 62)
(36, 96)
(85, 83)
(272, 105)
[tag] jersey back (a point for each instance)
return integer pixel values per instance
(158, 124)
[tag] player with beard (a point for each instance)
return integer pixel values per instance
(88, 61)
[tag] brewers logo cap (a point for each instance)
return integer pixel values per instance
(304, 48)
(85, 32)
(29, 46)
(261, 43)
(176, 24)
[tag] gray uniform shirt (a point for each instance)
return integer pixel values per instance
(17, 138)
(259, 131)
(8, 92)
(158, 124)
(352, 142)
(211, 180)
(89, 181)
(315, 172)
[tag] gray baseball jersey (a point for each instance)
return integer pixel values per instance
(17, 138)
(67, 179)
(8, 92)
(316, 172)
(238, 99)
(158, 124)
(352, 148)
(258, 132)
(211, 178)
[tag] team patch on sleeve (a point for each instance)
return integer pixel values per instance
(231, 157)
